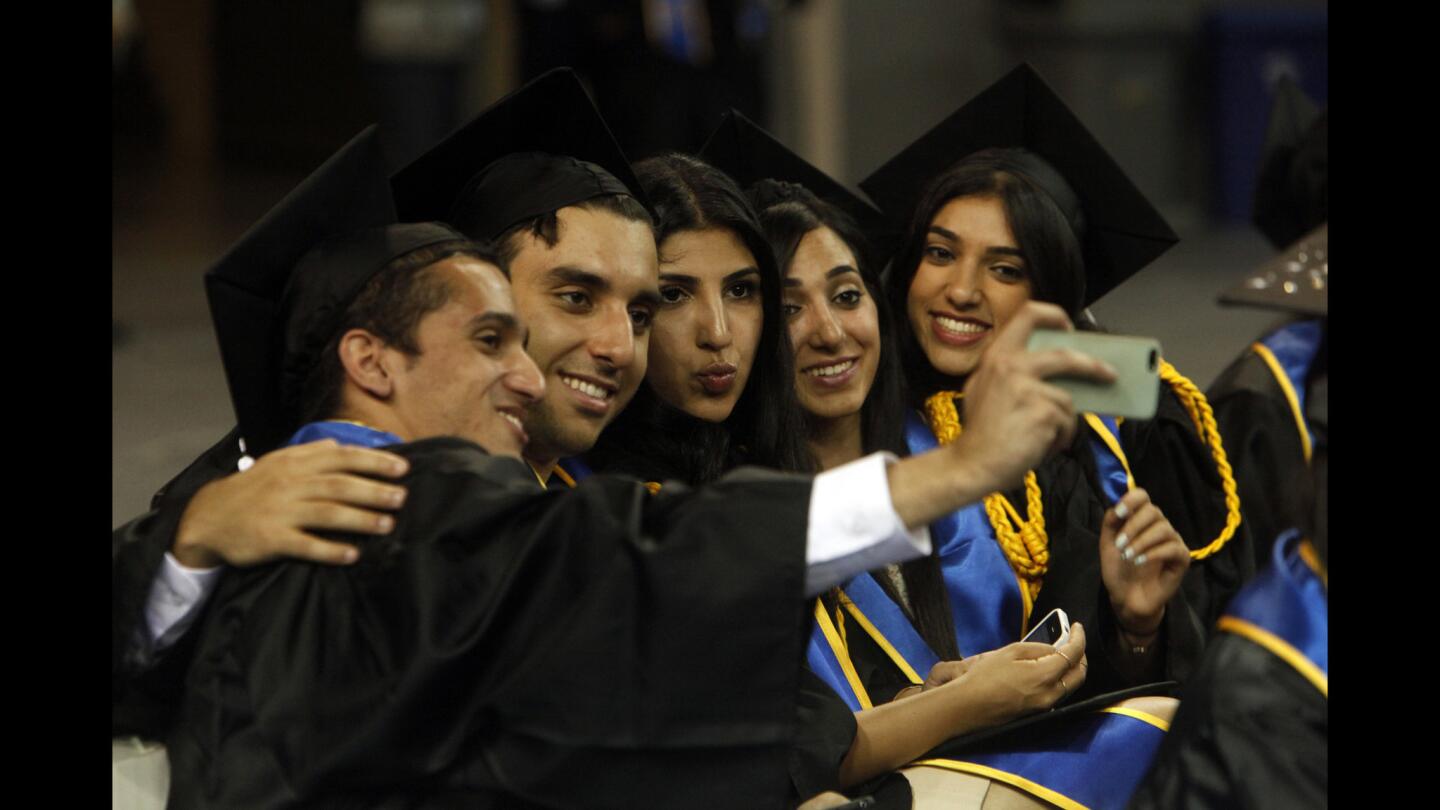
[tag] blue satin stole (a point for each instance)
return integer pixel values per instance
(352, 433)
(1286, 610)
(986, 606)
(1114, 475)
(576, 468)
(1294, 346)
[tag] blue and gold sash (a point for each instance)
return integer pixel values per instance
(352, 433)
(986, 605)
(1285, 609)
(1289, 352)
(1091, 761)
(1110, 461)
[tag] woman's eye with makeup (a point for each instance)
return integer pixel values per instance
(790, 309)
(489, 341)
(1008, 272)
(939, 254)
(848, 298)
(740, 289)
(673, 295)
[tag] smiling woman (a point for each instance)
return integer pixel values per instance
(719, 390)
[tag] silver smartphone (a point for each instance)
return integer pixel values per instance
(1054, 629)
(1135, 392)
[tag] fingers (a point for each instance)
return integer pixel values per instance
(1034, 315)
(325, 516)
(353, 490)
(303, 546)
(1149, 540)
(1141, 527)
(1068, 363)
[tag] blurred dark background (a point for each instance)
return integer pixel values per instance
(219, 107)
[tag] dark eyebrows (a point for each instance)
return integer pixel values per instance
(502, 320)
(953, 237)
(741, 273)
(566, 274)
(837, 270)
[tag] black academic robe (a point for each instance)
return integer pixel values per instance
(1263, 440)
(144, 693)
(1251, 732)
(595, 647)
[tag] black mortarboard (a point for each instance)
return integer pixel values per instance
(1291, 184)
(742, 149)
(1296, 280)
(537, 150)
(1120, 231)
(273, 294)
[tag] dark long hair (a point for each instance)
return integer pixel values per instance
(788, 211)
(654, 440)
(1047, 242)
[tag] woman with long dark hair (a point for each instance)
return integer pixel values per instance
(718, 391)
(1049, 216)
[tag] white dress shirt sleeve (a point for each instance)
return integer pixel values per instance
(176, 596)
(853, 526)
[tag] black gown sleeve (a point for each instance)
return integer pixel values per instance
(1170, 461)
(600, 647)
(144, 694)
(1263, 441)
(1250, 733)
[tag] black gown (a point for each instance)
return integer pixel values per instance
(1251, 732)
(1263, 440)
(144, 694)
(507, 645)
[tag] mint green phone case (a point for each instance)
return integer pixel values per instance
(1137, 359)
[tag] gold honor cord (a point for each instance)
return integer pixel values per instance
(1023, 540)
(1204, 418)
(1289, 390)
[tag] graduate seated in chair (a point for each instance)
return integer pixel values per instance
(600, 647)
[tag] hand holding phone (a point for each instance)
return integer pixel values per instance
(1136, 360)
(1054, 629)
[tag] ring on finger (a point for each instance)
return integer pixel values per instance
(1063, 686)
(1066, 657)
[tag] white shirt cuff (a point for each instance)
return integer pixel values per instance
(176, 597)
(853, 526)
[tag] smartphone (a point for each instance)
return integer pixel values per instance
(1054, 629)
(1135, 392)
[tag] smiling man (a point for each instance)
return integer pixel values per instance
(539, 174)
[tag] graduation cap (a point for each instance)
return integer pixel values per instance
(1291, 183)
(275, 298)
(537, 150)
(742, 149)
(1118, 229)
(1296, 280)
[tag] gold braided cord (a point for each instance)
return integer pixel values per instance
(1023, 540)
(1204, 418)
